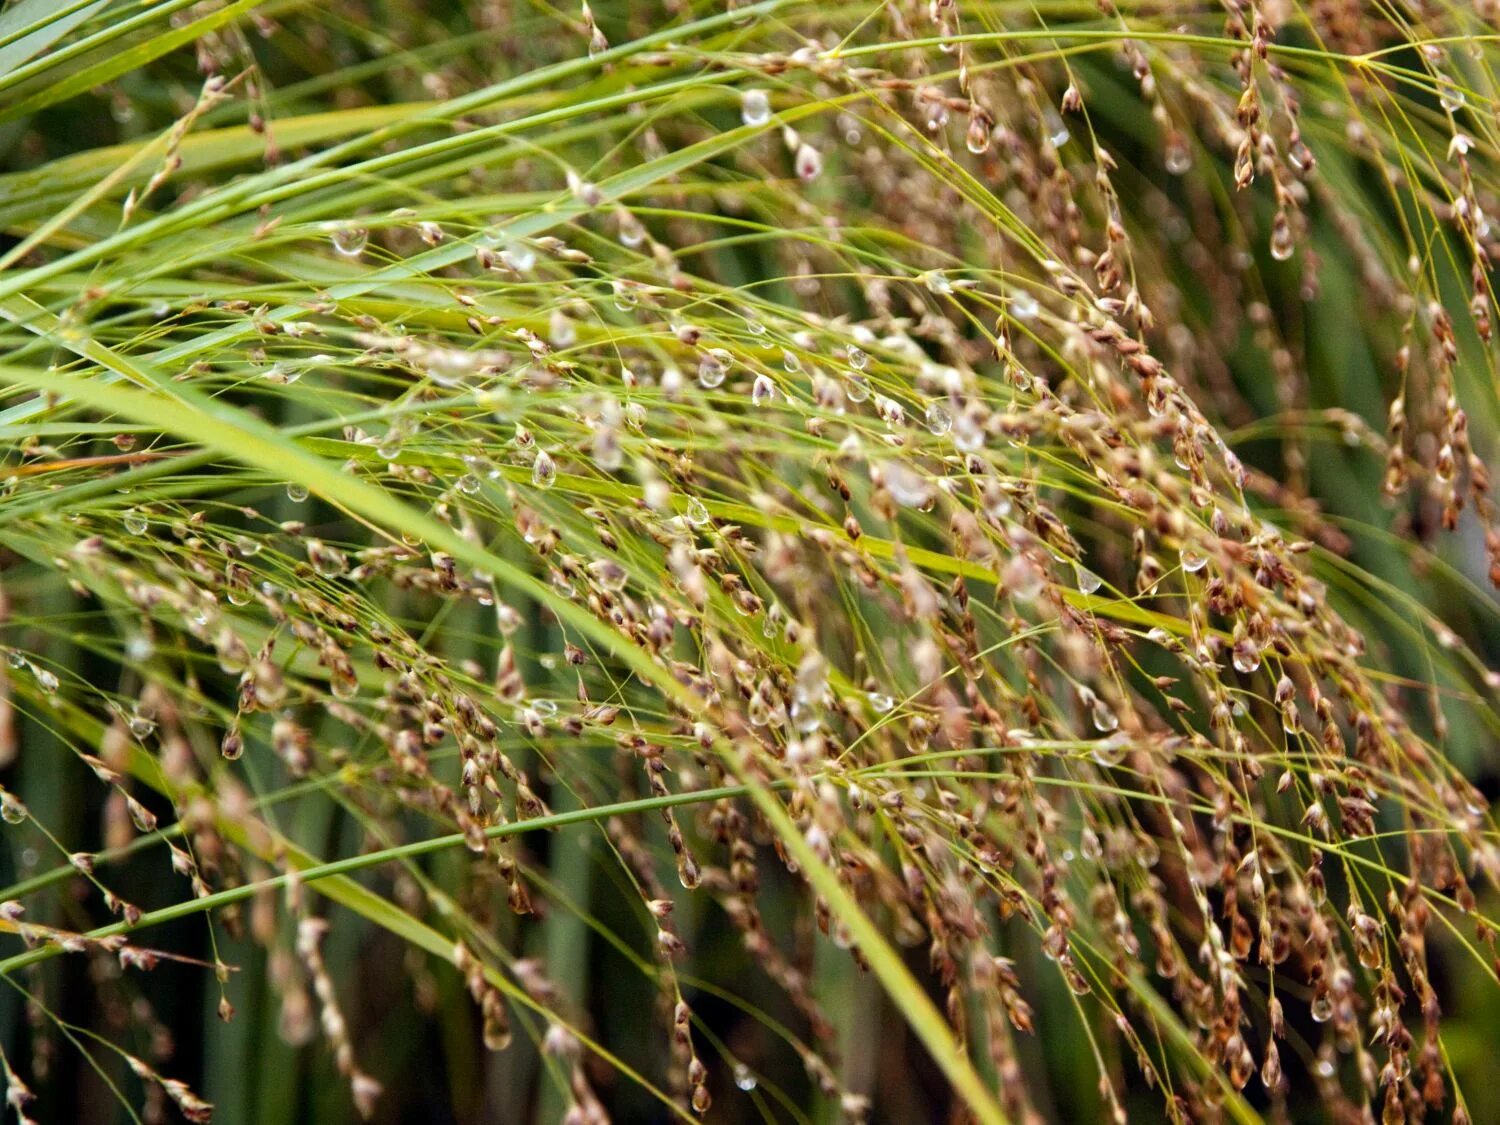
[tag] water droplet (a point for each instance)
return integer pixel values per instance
(755, 107)
(697, 514)
(561, 330)
(1282, 243)
(1103, 716)
(519, 257)
(857, 388)
(763, 392)
(1057, 131)
(469, 484)
(1321, 1008)
(135, 521)
(881, 704)
(743, 1078)
(758, 713)
(543, 470)
(977, 138)
(1178, 156)
(936, 281)
(296, 492)
(712, 370)
(349, 239)
(939, 421)
(1246, 657)
(45, 679)
(631, 231)
(1192, 562)
(1088, 581)
(327, 561)
(11, 809)
(609, 574)
(1109, 751)
(857, 359)
(626, 296)
(1450, 96)
(1023, 306)
(907, 487)
(790, 361)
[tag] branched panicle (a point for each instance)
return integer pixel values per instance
(747, 543)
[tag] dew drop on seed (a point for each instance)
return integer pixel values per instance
(631, 231)
(939, 421)
(936, 281)
(1192, 562)
(977, 138)
(1282, 243)
(296, 493)
(543, 470)
(349, 239)
(755, 107)
(625, 297)
(1450, 96)
(743, 1078)
(757, 712)
(907, 487)
(697, 514)
(1109, 752)
(763, 392)
(1178, 157)
(1057, 132)
(711, 371)
(561, 330)
(45, 679)
(1246, 658)
(609, 574)
(519, 257)
(135, 521)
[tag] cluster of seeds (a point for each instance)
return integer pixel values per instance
(867, 477)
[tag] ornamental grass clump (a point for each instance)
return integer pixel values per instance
(788, 562)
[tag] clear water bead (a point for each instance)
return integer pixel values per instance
(543, 470)
(939, 421)
(349, 239)
(755, 107)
